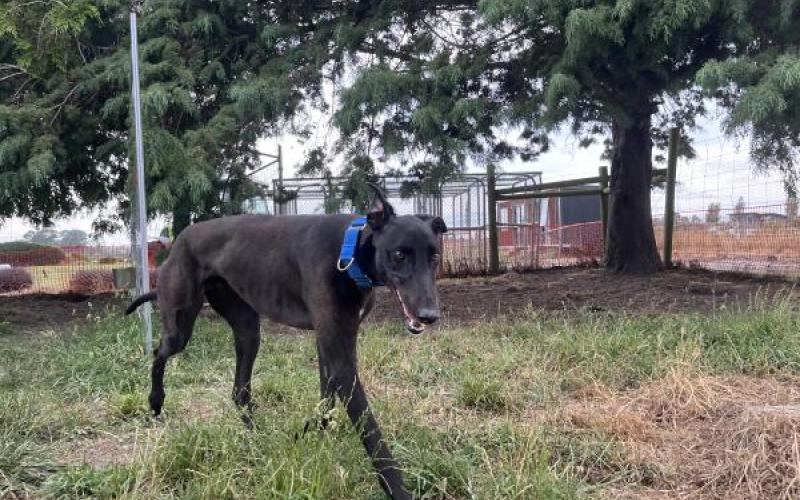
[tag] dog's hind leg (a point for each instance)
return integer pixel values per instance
(179, 301)
(244, 322)
(178, 325)
(336, 339)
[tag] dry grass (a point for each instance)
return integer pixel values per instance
(700, 436)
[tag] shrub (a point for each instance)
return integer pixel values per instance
(92, 281)
(19, 246)
(25, 253)
(14, 280)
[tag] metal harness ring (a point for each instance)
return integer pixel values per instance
(345, 268)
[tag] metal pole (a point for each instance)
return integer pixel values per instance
(143, 278)
(669, 210)
(604, 204)
(491, 201)
(280, 179)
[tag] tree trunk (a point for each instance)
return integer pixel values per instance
(631, 244)
(181, 218)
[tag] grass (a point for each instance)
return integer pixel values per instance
(545, 406)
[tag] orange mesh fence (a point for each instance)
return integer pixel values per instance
(78, 269)
(464, 251)
(522, 247)
(760, 240)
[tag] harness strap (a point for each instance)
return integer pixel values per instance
(348, 260)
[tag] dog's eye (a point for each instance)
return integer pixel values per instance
(399, 256)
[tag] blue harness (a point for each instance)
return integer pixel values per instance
(347, 256)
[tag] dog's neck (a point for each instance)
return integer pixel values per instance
(365, 253)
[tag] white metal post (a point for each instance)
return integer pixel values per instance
(142, 271)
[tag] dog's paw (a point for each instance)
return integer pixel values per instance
(247, 420)
(311, 424)
(157, 419)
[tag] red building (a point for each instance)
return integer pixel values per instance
(570, 224)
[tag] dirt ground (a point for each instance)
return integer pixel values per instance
(473, 299)
(38, 312)
(593, 290)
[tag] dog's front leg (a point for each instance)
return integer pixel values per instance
(338, 373)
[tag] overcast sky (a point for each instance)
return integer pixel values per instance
(721, 173)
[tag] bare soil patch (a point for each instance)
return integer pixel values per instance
(572, 289)
(38, 312)
(467, 300)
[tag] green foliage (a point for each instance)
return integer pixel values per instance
(65, 121)
(761, 89)
(712, 213)
(48, 236)
(429, 86)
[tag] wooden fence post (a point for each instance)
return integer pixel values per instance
(491, 214)
(604, 204)
(669, 209)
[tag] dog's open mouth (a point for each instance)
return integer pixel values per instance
(413, 324)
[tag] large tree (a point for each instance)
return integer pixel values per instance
(432, 84)
(436, 81)
(65, 117)
(45, 166)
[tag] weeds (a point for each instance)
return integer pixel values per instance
(546, 406)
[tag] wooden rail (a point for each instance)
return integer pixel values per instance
(557, 189)
(580, 187)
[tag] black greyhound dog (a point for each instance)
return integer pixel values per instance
(289, 269)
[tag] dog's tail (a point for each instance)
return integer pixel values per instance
(141, 299)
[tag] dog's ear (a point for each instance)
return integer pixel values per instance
(437, 223)
(381, 211)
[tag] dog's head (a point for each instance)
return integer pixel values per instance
(407, 254)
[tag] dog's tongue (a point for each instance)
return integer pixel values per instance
(413, 325)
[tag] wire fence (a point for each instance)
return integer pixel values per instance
(760, 240)
(728, 217)
(732, 216)
(85, 269)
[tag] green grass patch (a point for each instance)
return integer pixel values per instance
(482, 394)
(453, 405)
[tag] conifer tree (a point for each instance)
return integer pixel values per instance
(65, 117)
(441, 79)
(432, 84)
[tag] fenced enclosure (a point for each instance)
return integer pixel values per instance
(462, 201)
(84, 269)
(727, 217)
(731, 215)
(531, 234)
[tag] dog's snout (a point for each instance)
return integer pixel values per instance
(428, 315)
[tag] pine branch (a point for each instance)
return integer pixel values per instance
(61, 105)
(12, 75)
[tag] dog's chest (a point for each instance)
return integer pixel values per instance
(282, 306)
